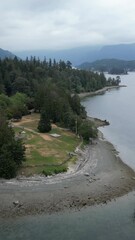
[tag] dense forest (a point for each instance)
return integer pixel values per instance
(35, 84)
(25, 76)
(49, 88)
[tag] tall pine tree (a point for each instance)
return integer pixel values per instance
(12, 151)
(44, 124)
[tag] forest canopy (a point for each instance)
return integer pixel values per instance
(26, 76)
(49, 85)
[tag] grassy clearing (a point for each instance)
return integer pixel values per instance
(45, 154)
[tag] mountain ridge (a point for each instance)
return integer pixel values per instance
(6, 53)
(79, 55)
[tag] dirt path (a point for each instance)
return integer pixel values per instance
(42, 135)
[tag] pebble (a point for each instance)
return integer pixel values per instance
(16, 203)
(86, 174)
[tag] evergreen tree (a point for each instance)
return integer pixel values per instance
(12, 151)
(44, 124)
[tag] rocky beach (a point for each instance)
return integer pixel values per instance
(98, 176)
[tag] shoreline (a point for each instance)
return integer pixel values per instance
(98, 176)
(98, 92)
(98, 122)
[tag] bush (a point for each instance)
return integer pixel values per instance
(87, 130)
(54, 170)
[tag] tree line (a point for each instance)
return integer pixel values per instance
(25, 76)
(33, 83)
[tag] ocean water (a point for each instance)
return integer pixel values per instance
(118, 107)
(114, 221)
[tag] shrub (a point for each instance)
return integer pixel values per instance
(87, 130)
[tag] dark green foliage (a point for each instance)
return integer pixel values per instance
(35, 84)
(14, 106)
(49, 170)
(87, 130)
(44, 123)
(12, 151)
(114, 82)
(26, 76)
(20, 84)
(8, 167)
(69, 120)
(77, 107)
(117, 70)
(118, 80)
(17, 152)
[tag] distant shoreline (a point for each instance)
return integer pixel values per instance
(98, 92)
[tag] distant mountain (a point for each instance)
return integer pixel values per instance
(84, 54)
(121, 51)
(5, 53)
(76, 55)
(109, 65)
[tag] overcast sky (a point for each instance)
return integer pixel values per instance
(60, 24)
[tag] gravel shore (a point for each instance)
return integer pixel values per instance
(98, 177)
(98, 92)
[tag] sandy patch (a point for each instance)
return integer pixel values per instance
(46, 137)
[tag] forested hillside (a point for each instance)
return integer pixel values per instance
(115, 66)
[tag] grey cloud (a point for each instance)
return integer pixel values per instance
(40, 24)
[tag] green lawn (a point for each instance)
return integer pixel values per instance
(43, 152)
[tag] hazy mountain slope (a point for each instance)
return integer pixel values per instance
(5, 53)
(122, 51)
(84, 54)
(75, 55)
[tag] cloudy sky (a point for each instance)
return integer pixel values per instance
(60, 24)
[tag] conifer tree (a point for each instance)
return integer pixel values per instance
(12, 151)
(44, 124)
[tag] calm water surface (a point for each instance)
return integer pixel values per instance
(118, 107)
(114, 221)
